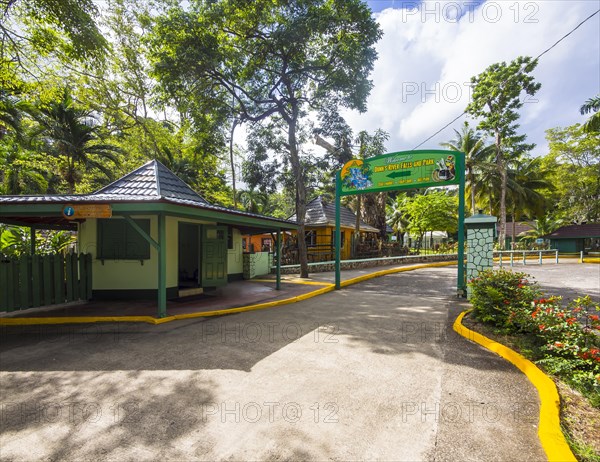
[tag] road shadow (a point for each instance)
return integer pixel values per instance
(404, 313)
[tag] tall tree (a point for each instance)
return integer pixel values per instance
(477, 156)
(495, 102)
(275, 58)
(573, 164)
(526, 182)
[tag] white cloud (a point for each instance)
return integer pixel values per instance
(425, 59)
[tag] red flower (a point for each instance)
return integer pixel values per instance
(559, 344)
(571, 320)
(542, 326)
(594, 317)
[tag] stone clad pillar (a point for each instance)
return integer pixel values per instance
(480, 245)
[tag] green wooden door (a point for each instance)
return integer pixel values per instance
(214, 256)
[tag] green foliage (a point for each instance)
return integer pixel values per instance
(495, 102)
(36, 33)
(567, 338)
(593, 123)
(573, 165)
(496, 294)
(543, 226)
(478, 157)
(16, 241)
(74, 135)
(435, 211)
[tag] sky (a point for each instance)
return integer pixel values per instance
(431, 49)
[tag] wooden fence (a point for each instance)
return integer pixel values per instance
(39, 280)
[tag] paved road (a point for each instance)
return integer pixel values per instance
(370, 372)
(567, 279)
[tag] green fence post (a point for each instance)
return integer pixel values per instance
(47, 278)
(59, 279)
(4, 268)
(32, 240)
(36, 283)
(460, 283)
(278, 269)
(13, 285)
(88, 273)
(25, 282)
(162, 266)
(69, 277)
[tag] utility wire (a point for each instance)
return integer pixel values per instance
(537, 57)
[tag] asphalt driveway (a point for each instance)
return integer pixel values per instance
(370, 372)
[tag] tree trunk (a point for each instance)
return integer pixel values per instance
(300, 193)
(472, 184)
(502, 232)
(504, 180)
(356, 227)
(381, 215)
(514, 226)
(232, 163)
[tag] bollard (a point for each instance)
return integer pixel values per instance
(512, 256)
(581, 257)
(540, 257)
(500, 253)
(557, 257)
(524, 259)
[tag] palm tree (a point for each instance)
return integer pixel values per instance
(12, 111)
(397, 218)
(477, 156)
(525, 179)
(74, 135)
(542, 227)
(22, 175)
(253, 201)
(593, 123)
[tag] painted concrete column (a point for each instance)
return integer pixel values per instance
(480, 245)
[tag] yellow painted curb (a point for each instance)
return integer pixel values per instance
(151, 320)
(549, 432)
(202, 314)
(377, 274)
(293, 281)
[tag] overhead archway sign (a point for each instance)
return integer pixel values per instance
(400, 171)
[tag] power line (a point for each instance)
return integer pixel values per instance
(537, 57)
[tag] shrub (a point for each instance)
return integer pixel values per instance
(499, 297)
(568, 337)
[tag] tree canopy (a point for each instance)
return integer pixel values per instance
(276, 60)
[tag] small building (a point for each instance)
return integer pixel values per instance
(576, 238)
(148, 233)
(319, 234)
(514, 231)
(320, 230)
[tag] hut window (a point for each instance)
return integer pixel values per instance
(118, 240)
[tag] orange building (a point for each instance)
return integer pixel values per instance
(319, 232)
